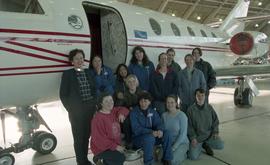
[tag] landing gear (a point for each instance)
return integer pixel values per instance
(7, 159)
(247, 97)
(44, 143)
(29, 120)
(243, 97)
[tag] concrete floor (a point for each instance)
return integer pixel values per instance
(246, 132)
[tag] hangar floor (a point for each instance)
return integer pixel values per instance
(246, 132)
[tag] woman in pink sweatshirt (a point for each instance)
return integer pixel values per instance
(105, 135)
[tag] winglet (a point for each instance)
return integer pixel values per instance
(232, 26)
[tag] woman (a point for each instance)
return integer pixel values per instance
(132, 92)
(106, 133)
(164, 82)
(148, 130)
(141, 66)
(120, 86)
(77, 94)
(130, 101)
(176, 122)
(103, 76)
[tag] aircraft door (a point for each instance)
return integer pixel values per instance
(108, 34)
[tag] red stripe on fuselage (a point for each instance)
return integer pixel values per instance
(65, 41)
(170, 43)
(30, 73)
(33, 67)
(175, 47)
(19, 31)
(33, 55)
(37, 48)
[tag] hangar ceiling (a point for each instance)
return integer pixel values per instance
(208, 11)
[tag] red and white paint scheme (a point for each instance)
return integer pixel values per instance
(36, 38)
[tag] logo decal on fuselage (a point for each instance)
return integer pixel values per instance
(75, 22)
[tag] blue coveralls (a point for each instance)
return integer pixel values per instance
(142, 137)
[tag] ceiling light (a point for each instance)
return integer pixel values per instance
(173, 14)
(268, 22)
(198, 18)
(259, 3)
(256, 25)
(220, 20)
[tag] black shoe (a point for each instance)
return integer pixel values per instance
(97, 161)
(85, 163)
(167, 162)
(129, 146)
(208, 150)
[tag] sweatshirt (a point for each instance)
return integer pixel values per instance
(105, 130)
(202, 122)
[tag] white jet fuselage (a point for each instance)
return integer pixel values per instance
(34, 47)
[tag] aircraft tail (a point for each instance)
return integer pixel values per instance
(232, 26)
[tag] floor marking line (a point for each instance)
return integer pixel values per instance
(242, 118)
(57, 160)
(223, 161)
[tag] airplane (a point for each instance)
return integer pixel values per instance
(36, 36)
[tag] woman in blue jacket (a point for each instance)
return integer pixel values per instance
(103, 76)
(148, 131)
(141, 66)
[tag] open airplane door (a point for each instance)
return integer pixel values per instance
(108, 34)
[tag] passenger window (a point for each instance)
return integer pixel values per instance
(155, 26)
(175, 30)
(203, 33)
(19, 6)
(190, 31)
(214, 35)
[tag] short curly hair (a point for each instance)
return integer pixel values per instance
(73, 53)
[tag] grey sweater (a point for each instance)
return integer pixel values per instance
(202, 122)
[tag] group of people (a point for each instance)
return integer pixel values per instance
(141, 102)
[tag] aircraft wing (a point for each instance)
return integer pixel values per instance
(243, 70)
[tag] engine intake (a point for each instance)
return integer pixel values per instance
(241, 43)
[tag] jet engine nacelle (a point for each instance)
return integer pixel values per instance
(241, 43)
(249, 43)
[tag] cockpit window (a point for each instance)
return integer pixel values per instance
(19, 6)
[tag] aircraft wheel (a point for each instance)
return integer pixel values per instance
(35, 139)
(45, 143)
(247, 97)
(7, 159)
(237, 101)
